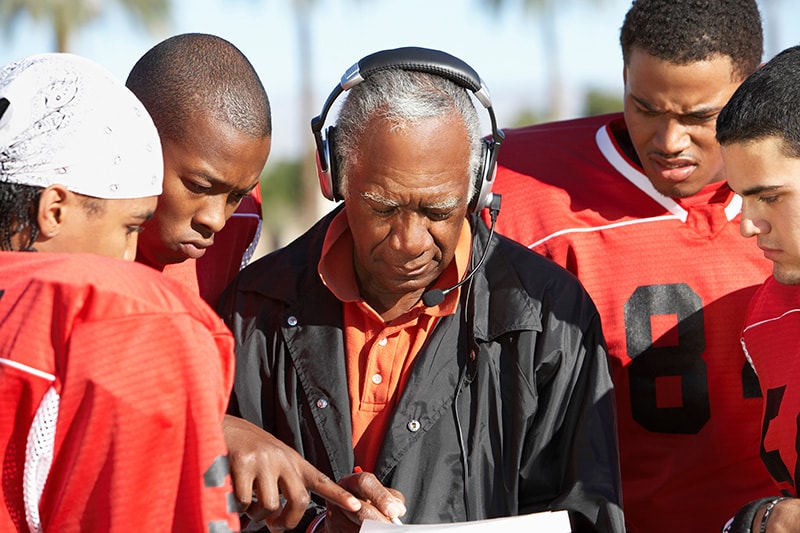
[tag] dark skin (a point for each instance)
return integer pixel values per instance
(407, 204)
(263, 465)
(671, 113)
(407, 207)
(379, 504)
(784, 518)
(206, 176)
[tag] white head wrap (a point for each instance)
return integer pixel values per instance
(68, 121)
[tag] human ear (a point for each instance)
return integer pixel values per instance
(53, 202)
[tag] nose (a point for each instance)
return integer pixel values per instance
(212, 214)
(130, 247)
(671, 136)
(411, 235)
(750, 226)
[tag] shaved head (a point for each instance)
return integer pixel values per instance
(197, 73)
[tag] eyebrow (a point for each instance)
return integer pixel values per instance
(377, 198)
(758, 189)
(701, 111)
(144, 216)
(216, 182)
(447, 203)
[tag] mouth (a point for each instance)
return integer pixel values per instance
(415, 269)
(195, 250)
(673, 170)
(770, 253)
(411, 272)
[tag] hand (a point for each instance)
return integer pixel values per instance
(784, 518)
(263, 465)
(377, 503)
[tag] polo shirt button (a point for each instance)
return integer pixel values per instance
(382, 342)
(322, 403)
(377, 379)
(292, 320)
(413, 426)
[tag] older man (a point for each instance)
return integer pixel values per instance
(401, 338)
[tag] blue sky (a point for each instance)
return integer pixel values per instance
(504, 48)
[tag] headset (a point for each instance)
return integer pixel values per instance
(416, 59)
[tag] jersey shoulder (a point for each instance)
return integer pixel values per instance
(111, 287)
(771, 300)
(567, 175)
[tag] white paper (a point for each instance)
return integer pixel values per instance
(547, 522)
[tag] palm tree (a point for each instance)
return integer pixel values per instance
(309, 190)
(545, 12)
(312, 203)
(67, 16)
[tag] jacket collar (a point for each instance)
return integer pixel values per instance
(500, 299)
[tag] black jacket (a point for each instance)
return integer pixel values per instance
(516, 382)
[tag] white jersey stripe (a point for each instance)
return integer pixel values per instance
(632, 174)
(604, 227)
(28, 369)
(759, 323)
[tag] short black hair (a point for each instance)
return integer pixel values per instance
(687, 31)
(195, 72)
(767, 104)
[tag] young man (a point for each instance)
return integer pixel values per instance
(357, 346)
(759, 130)
(113, 379)
(213, 116)
(214, 119)
(636, 206)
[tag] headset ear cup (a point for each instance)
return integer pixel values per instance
(484, 180)
(336, 192)
(324, 176)
(326, 158)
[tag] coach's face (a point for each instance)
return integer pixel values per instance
(406, 206)
(671, 114)
(207, 173)
(768, 179)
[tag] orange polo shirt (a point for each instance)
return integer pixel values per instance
(379, 356)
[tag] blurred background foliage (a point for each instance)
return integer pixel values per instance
(289, 185)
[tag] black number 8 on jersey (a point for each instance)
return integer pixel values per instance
(683, 360)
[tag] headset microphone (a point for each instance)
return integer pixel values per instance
(436, 296)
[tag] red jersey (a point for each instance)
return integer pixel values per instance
(232, 250)
(114, 381)
(671, 280)
(770, 340)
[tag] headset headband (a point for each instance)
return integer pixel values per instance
(417, 59)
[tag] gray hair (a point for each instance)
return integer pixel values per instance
(403, 98)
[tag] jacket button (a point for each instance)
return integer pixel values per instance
(413, 426)
(292, 320)
(322, 403)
